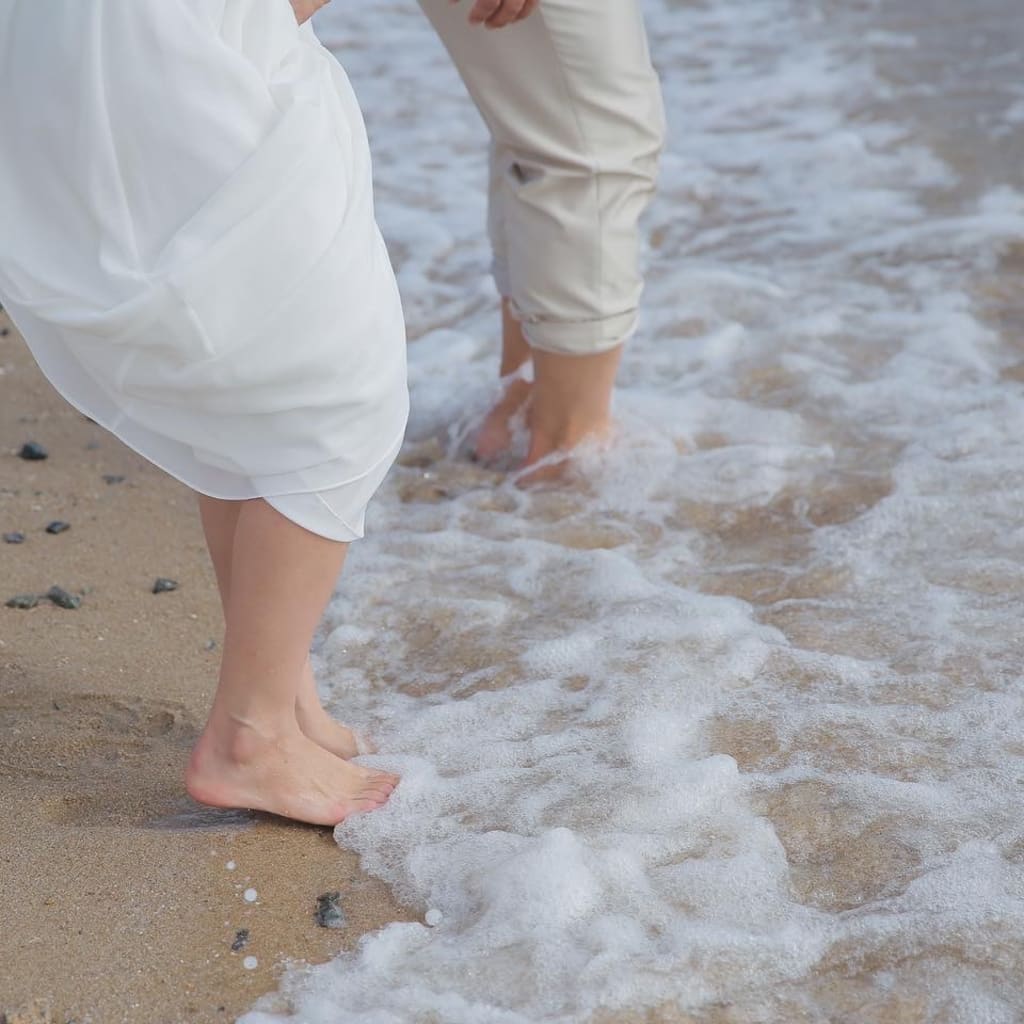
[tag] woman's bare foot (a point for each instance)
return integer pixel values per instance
(318, 725)
(234, 765)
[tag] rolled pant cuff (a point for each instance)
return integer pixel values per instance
(578, 337)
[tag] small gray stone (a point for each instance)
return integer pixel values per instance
(60, 597)
(32, 451)
(57, 526)
(241, 940)
(161, 584)
(328, 911)
(14, 537)
(113, 478)
(23, 601)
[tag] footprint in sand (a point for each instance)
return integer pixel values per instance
(96, 759)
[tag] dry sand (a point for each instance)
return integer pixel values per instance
(115, 900)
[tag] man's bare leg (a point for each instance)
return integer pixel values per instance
(252, 752)
(219, 519)
(569, 400)
(571, 403)
(495, 436)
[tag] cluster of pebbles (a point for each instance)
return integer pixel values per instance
(328, 914)
(58, 595)
(32, 451)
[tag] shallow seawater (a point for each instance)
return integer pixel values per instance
(730, 729)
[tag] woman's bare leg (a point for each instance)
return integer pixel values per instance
(252, 752)
(219, 520)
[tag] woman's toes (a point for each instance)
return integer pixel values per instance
(377, 773)
(364, 806)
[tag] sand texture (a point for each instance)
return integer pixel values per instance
(115, 900)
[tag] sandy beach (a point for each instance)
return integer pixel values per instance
(729, 729)
(115, 900)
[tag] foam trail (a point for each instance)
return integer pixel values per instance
(735, 727)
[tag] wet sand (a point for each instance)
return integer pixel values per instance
(115, 900)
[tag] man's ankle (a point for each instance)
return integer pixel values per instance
(572, 397)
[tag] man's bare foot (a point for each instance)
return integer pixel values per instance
(570, 404)
(318, 725)
(234, 765)
(494, 438)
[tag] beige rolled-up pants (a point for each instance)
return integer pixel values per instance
(574, 108)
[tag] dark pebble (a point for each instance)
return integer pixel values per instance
(241, 940)
(60, 597)
(328, 912)
(162, 584)
(113, 478)
(23, 601)
(4, 331)
(210, 645)
(14, 537)
(32, 451)
(57, 526)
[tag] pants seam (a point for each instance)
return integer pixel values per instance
(585, 146)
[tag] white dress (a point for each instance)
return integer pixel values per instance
(188, 245)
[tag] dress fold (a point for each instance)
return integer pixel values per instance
(190, 248)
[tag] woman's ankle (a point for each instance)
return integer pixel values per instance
(242, 740)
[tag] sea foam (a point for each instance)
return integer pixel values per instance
(734, 723)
